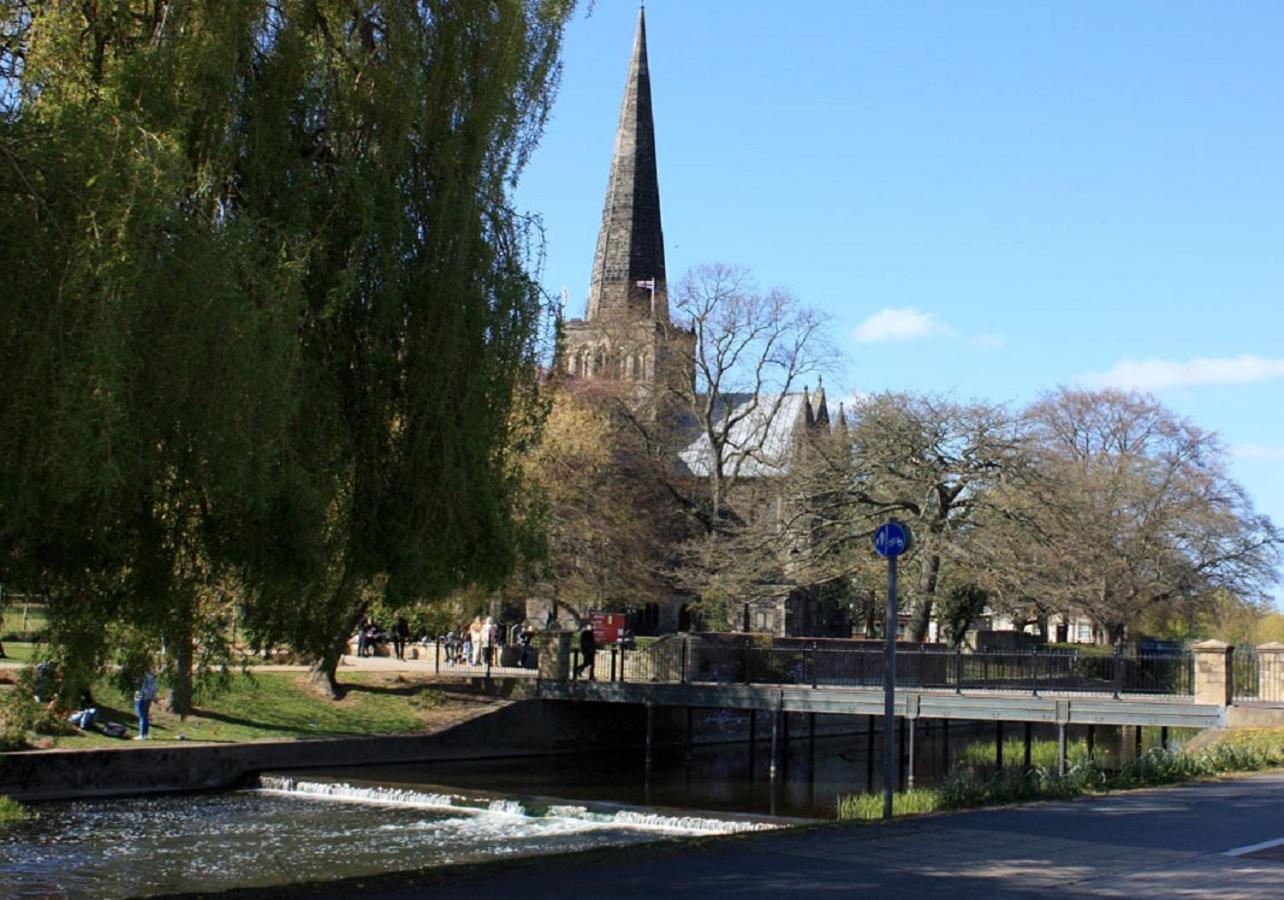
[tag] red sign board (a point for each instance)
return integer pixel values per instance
(607, 627)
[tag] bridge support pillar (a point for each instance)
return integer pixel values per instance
(690, 734)
(869, 754)
(945, 746)
(909, 762)
(1213, 682)
(1061, 748)
(775, 743)
(650, 734)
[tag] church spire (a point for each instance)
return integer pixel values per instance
(630, 245)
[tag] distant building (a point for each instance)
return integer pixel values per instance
(627, 339)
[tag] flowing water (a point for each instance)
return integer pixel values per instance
(361, 821)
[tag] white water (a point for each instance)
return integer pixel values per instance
(505, 814)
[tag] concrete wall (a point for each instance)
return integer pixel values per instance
(523, 728)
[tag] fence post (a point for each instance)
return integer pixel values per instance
(1034, 671)
(813, 664)
(958, 670)
(1270, 671)
(748, 660)
(437, 658)
(612, 663)
(1213, 681)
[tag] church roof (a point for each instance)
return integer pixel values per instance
(765, 428)
(630, 244)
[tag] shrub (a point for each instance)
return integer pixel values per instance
(12, 812)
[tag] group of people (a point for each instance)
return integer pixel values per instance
(479, 644)
(86, 716)
(370, 635)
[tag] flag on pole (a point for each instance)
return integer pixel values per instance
(648, 283)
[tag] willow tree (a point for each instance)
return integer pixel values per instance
(275, 321)
(139, 352)
(385, 141)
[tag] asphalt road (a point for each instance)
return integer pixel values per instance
(1169, 842)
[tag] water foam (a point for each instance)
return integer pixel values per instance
(348, 793)
(507, 814)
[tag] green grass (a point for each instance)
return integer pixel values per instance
(11, 623)
(270, 705)
(904, 803)
(18, 651)
(12, 812)
(1240, 750)
(1042, 753)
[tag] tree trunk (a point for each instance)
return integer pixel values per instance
(324, 674)
(921, 611)
(180, 686)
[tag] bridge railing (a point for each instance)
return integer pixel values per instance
(923, 666)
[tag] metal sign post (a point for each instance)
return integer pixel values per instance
(890, 541)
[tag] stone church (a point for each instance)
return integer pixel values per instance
(627, 338)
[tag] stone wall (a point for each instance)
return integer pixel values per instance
(524, 728)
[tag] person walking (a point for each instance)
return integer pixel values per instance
(489, 638)
(588, 650)
(143, 698)
(475, 636)
(362, 627)
(400, 631)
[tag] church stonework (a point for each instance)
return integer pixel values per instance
(627, 335)
(628, 345)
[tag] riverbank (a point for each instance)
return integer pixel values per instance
(971, 785)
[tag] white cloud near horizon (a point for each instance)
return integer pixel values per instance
(1258, 452)
(904, 324)
(1156, 374)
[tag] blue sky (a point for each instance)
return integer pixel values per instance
(989, 199)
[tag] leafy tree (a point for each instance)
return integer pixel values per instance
(274, 321)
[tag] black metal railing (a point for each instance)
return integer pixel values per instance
(738, 660)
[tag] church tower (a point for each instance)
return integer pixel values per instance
(627, 335)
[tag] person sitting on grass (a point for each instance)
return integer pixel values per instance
(84, 718)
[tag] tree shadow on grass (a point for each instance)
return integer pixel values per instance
(291, 730)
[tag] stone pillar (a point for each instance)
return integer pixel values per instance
(1270, 671)
(554, 655)
(1213, 683)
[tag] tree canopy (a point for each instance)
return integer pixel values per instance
(271, 316)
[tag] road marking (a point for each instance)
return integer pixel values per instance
(1253, 848)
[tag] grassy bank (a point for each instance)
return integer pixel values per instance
(11, 811)
(1239, 750)
(265, 706)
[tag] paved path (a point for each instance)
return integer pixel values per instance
(1169, 842)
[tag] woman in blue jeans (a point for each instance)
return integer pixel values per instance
(143, 698)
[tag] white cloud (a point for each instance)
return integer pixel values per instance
(1156, 374)
(900, 325)
(1258, 452)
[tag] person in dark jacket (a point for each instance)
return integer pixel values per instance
(588, 650)
(400, 632)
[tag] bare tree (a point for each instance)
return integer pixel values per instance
(1140, 516)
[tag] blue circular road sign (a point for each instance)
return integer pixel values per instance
(892, 539)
